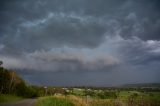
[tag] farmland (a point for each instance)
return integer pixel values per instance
(104, 97)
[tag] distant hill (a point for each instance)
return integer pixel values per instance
(142, 85)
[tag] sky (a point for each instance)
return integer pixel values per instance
(81, 42)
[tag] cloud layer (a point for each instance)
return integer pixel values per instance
(103, 40)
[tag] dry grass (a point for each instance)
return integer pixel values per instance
(84, 101)
(78, 101)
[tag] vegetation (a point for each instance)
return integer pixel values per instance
(6, 98)
(52, 101)
(11, 83)
(12, 87)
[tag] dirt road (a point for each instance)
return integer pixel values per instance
(28, 102)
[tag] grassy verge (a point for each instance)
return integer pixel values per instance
(53, 101)
(5, 98)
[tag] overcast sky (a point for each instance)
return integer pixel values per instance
(81, 42)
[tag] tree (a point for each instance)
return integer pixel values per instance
(4, 80)
(12, 83)
(1, 62)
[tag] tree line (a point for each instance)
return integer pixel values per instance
(11, 83)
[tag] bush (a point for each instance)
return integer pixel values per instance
(26, 91)
(107, 95)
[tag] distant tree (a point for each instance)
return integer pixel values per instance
(4, 80)
(89, 93)
(60, 91)
(107, 94)
(1, 62)
(1, 68)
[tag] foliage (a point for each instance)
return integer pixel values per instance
(53, 101)
(11, 83)
(26, 91)
(1, 62)
(4, 80)
(101, 94)
(60, 91)
(107, 95)
(5, 98)
(89, 92)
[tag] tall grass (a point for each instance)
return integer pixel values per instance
(53, 101)
(77, 100)
(6, 98)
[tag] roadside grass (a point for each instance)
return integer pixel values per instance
(102, 102)
(124, 98)
(77, 100)
(6, 98)
(53, 101)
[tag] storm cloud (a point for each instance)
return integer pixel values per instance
(96, 41)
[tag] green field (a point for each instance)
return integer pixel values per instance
(6, 98)
(124, 98)
(53, 101)
(79, 98)
(77, 91)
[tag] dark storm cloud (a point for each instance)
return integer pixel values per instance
(96, 37)
(75, 23)
(62, 60)
(140, 52)
(44, 28)
(64, 29)
(94, 78)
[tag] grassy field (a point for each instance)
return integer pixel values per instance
(72, 100)
(77, 91)
(140, 98)
(9, 98)
(124, 98)
(99, 97)
(53, 101)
